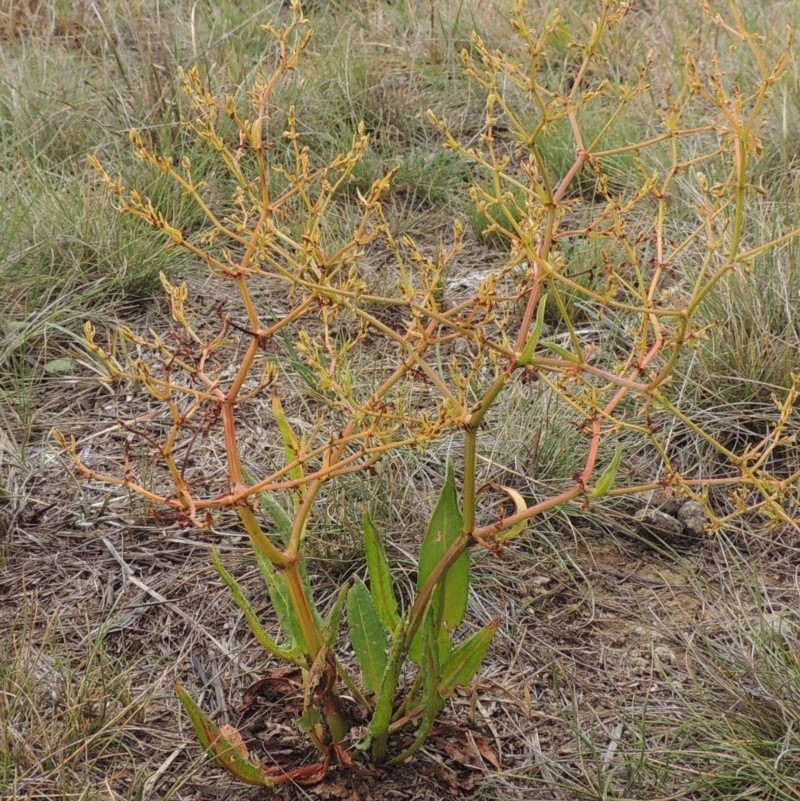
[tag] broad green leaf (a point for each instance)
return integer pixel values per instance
(291, 654)
(431, 697)
(443, 531)
(334, 617)
(369, 639)
(464, 660)
(606, 481)
(276, 585)
(380, 577)
(222, 750)
(58, 366)
(311, 718)
(384, 703)
(658, 403)
(444, 642)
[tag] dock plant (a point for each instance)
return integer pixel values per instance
(392, 367)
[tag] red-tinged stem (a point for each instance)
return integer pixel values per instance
(486, 532)
(597, 423)
(423, 598)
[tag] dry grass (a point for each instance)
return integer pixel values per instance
(624, 669)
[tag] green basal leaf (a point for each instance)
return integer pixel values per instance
(291, 654)
(279, 595)
(334, 617)
(380, 577)
(431, 697)
(367, 634)
(431, 671)
(384, 703)
(464, 660)
(278, 515)
(309, 719)
(55, 366)
(218, 746)
(449, 600)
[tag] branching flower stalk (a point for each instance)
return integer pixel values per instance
(308, 309)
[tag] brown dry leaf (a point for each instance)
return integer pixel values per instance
(455, 783)
(342, 756)
(465, 756)
(274, 687)
(466, 747)
(485, 750)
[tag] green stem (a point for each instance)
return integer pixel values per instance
(470, 470)
(479, 411)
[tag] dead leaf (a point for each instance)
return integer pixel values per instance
(467, 748)
(274, 687)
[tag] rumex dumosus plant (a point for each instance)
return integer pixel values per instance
(388, 371)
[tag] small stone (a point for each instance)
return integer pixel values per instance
(660, 499)
(655, 523)
(694, 518)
